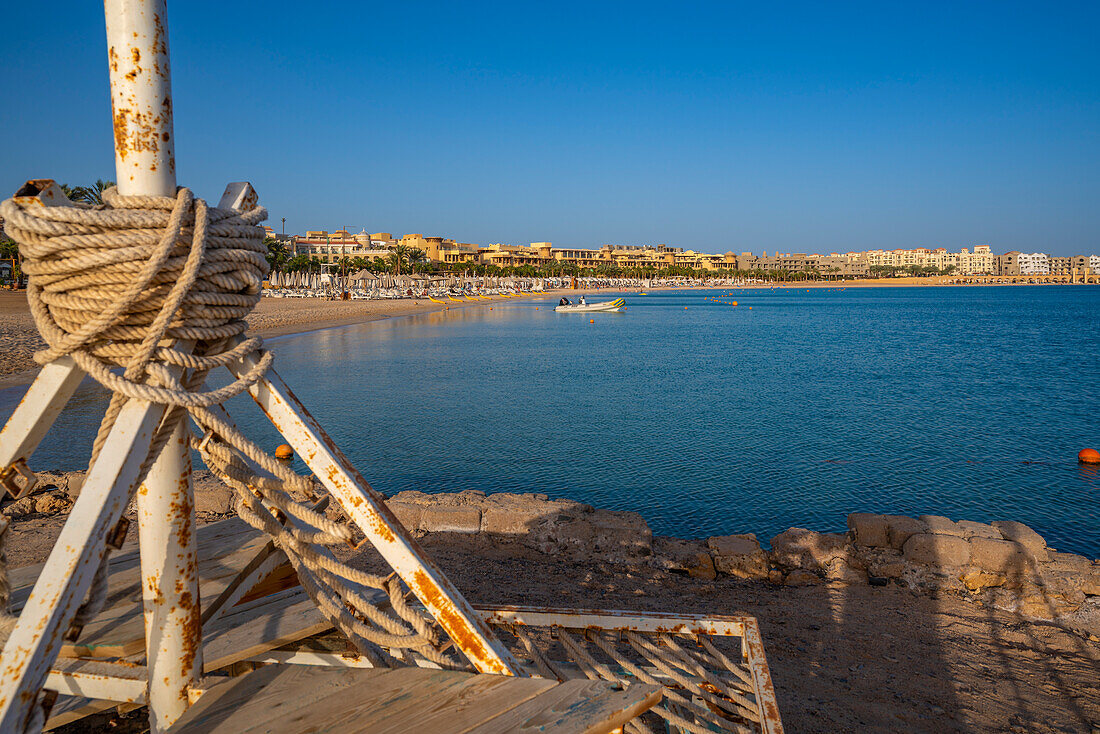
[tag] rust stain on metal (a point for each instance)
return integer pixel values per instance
(457, 627)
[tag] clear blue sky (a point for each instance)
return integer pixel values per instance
(716, 126)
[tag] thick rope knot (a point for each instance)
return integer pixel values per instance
(159, 287)
(111, 285)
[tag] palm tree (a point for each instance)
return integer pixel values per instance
(74, 193)
(398, 257)
(87, 194)
(94, 194)
(276, 255)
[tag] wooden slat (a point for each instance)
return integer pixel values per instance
(438, 701)
(280, 699)
(575, 707)
(264, 698)
(259, 626)
(225, 549)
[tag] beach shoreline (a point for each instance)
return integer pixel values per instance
(277, 317)
(273, 317)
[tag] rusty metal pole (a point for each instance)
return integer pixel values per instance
(141, 106)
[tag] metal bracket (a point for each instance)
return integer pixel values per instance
(9, 479)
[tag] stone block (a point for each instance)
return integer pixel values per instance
(452, 519)
(408, 513)
(997, 556)
(939, 551)
(1070, 562)
(802, 548)
(217, 499)
(684, 556)
(739, 556)
(733, 545)
(869, 529)
(940, 525)
(900, 527)
(978, 530)
(509, 521)
(1032, 542)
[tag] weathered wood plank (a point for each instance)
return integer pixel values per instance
(263, 699)
(575, 707)
(438, 701)
(260, 626)
(280, 699)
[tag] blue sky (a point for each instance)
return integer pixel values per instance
(805, 127)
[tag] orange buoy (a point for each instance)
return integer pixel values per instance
(734, 303)
(685, 308)
(591, 321)
(1088, 456)
(284, 452)
(750, 308)
(536, 308)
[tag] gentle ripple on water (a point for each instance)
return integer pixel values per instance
(965, 402)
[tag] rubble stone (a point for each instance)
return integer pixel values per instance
(683, 556)
(800, 577)
(976, 579)
(802, 548)
(51, 503)
(739, 556)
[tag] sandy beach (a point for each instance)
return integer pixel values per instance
(19, 339)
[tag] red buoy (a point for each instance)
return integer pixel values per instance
(1088, 456)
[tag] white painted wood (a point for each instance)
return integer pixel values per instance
(38, 410)
(67, 573)
(122, 682)
(170, 581)
(613, 620)
(141, 97)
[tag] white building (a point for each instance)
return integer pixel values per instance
(1035, 263)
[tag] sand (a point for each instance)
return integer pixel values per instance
(843, 658)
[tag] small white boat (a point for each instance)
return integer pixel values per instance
(603, 307)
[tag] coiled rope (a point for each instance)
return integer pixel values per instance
(140, 290)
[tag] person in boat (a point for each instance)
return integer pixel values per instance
(582, 301)
(564, 301)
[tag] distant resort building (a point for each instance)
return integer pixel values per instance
(330, 247)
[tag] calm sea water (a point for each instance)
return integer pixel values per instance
(708, 418)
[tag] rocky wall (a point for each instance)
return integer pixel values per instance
(1003, 564)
